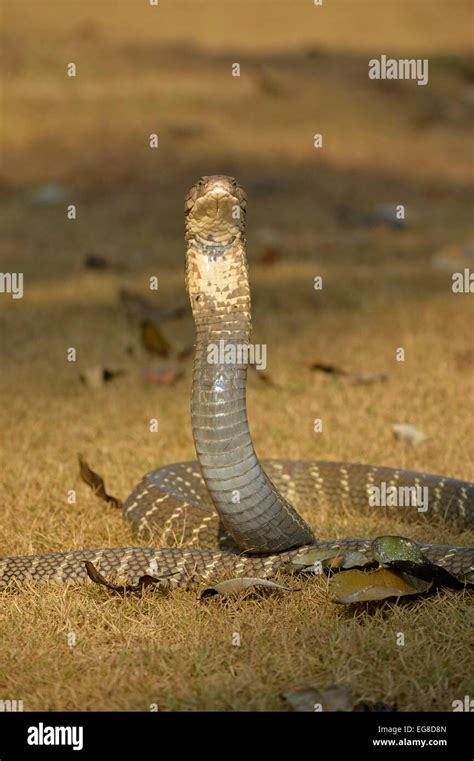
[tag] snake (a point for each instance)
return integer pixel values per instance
(228, 512)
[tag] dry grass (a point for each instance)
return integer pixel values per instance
(380, 293)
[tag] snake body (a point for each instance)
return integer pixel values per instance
(233, 513)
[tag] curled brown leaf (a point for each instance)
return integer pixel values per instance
(96, 483)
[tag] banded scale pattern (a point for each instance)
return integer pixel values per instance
(172, 502)
(236, 514)
(184, 567)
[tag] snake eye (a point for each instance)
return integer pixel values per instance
(199, 297)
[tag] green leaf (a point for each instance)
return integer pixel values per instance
(386, 549)
(405, 556)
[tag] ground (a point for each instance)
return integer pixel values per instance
(383, 142)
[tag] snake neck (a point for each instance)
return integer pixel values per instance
(258, 518)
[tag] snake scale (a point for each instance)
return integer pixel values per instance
(233, 513)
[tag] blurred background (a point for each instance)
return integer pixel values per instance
(325, 212)
(328, 212)
(167, 70)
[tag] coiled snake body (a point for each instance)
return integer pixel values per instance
(233, 512)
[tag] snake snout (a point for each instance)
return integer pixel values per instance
(215, 211)
(216, 184)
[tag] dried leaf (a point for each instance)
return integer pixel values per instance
(232, 587)
(361, 586)
(153, 340)
(139, 308)
(265, 378)
(328, 369)
(408, 433)
(98, 376)
(351, 377)
(163, 375)
(262, 376)
(269, 256)
(333, 564)
(143, 582)
(96, 483)
(96, 262)
(333, 698)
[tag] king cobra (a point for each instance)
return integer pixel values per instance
(233, 513)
